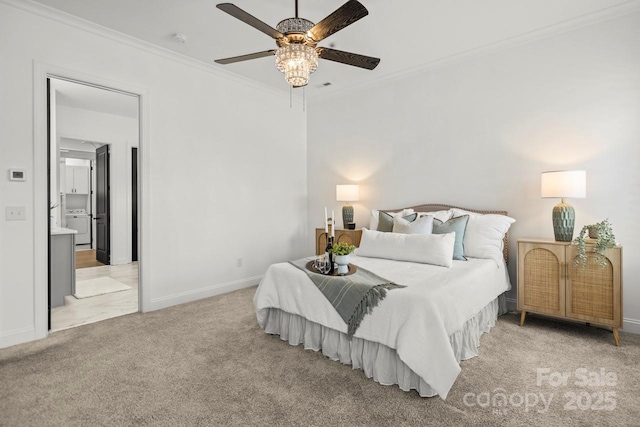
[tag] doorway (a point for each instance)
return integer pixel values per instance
(91, 131)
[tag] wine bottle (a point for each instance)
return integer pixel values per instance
(330, 254)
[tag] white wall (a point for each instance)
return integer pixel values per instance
(55, 211)
(479, 133)
(222, 179)
(121, 133)
(78, 123)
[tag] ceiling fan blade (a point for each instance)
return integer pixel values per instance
(246, 57)
(342, 17)
(240, 14)
(348, 58)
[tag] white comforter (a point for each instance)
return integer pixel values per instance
(416, 321)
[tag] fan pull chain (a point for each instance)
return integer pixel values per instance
(304, 98)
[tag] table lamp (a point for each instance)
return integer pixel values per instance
(347, 193)
(564, 184)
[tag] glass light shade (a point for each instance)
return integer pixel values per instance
(347, 193)
(572, 184)
(297, 61)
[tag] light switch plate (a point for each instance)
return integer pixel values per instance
(15, 213)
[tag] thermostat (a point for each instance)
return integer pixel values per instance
(17, 175)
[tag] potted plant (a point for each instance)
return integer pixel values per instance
(52, 217)
(604, 239)
(342, 250)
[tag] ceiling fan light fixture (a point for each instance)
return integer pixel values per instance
(297, 61)
(294, 25)
(297, 39)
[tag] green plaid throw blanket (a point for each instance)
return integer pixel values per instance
(352, 296)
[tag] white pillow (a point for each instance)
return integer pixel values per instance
(459, 212)
(485, 233)
(373, 221)
(436, 249)
(422, 225)
(443, 216)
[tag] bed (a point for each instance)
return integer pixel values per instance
(416, 337)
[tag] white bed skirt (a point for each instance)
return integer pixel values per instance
(377, 360)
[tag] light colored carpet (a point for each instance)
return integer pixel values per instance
(207, 363)
(98, 286)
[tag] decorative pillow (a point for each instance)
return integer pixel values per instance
(422, 225)
(443, 216)
(385, 220)
(373, 220)
(436, 249)
(485, 234)
(458, 226)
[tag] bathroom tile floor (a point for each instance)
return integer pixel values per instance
(78, 312)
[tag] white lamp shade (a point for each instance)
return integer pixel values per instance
(572, 184)
(347, 193)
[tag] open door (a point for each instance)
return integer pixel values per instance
(134, 204)
(49, 203)
(103, 235)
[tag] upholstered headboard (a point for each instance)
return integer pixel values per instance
(436, 207)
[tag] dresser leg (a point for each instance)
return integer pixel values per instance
(616, 336)
(523, 315)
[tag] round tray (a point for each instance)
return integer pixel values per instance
(310, 267)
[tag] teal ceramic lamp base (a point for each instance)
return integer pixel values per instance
(564, 218)
(347, 215)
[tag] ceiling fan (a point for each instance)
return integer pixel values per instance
(297, 39)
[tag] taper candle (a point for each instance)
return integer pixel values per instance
(326, 226)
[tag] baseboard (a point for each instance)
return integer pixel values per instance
(221, 288)
(628, 325)
(631, 325)
(19, 336)
(120, 261)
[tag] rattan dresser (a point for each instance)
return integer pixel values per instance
(351, 237)
(550, 284)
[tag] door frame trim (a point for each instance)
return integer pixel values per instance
(42, 71)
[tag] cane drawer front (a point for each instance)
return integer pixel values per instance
(541, 278)
(594, 292)
(351, 237)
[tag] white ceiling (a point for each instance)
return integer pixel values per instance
(95, 99)
(404, 34)
(71, 144)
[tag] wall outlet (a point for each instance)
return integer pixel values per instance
(238, 262)
(15, 213)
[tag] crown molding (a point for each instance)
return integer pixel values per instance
(64, 18)
(612, 12)
(623, 9)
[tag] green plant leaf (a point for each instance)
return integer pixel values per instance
(606, 240)
(342, 248)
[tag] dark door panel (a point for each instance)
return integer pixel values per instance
(103, 249)
(134, 204)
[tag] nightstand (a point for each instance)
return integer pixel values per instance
(351, 237)
(550, 284)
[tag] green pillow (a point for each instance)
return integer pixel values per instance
(457, 225)
(385, 221)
